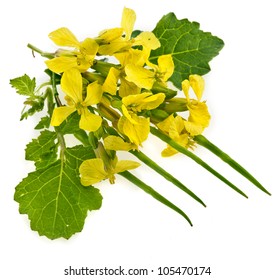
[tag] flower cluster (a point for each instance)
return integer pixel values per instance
(110, 92)
(129, 95)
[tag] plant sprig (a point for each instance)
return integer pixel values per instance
(110, 107)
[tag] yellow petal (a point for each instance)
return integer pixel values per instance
(114, 47)
(143, 78)
(64, 37)
(60, 114)
(71, 84)
(166, 66)
(92, 171)
(89, 47)
(109, 35)
(89, 121)
(197, 84)
(127, 88)
(199, 113)
(169, 151)
(94, 94)
(82, 64)
(166, 124)
(137, 133)
(185, 85)
(61, 64)
(116, 143)
(135, 99)
(176, 128)
(124, 165)
(152, 101)
(110, 83)
(148, 40)
(128, 21)
(132, 56)
(128, 115)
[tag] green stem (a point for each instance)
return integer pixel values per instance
(55, 92)
(130, 177)
(82, 136)
(141, 156)
(202, 163)
(201, 140)
(44, 54)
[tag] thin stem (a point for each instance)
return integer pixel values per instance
(201, 140)
(141, 156)
(55, 92)
(130, 177)
(202, 163)
(44, 54)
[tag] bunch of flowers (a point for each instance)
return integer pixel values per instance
(110, 92)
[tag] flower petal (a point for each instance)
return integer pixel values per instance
(61, 64)
(71, 84)
(123, 165)
(137, 133)
(89, 121)
(143, 78)
(110, 83)
(92, 171)
(148, 40)
(128, 21)
(89, 47)
(60, 114)
(116, 143)
(166, 66)
(94, 94)
(197, 84)
(185, 85)
(64, 37)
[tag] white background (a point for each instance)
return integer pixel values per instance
(234, 236)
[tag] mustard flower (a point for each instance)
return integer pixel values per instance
(136, 127)
(145, 78)
(116, 40)
(95, 170)
(80, 57)
(71, 84)
(199, 116)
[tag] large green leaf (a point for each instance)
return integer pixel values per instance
(43, 150)
(54, 199)
(190, 47)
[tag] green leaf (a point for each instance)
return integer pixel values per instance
(24, 85)
(54, 199)
(43, 150)
(190, 47)
(43, 123)
(71, 124)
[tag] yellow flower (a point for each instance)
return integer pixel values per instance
(199, 116)
(94, 170)
(81, 57)
(175, 128)
(135, 127)
(119, 39)
(116, 143)
(181, 130)
(145, 78)
(71, 84)
(126, 88)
